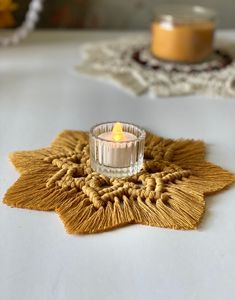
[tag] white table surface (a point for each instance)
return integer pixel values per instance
(40, 95)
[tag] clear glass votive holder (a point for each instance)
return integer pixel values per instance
(116, 158)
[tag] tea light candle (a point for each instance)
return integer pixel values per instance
(183, 33)
(117, 154)
(116, 149)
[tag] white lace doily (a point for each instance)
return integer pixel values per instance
(129, 62)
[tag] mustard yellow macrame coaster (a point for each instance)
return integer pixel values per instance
(168, 192)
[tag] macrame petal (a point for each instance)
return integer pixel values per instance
(186, 150)
(68, 140)
(30, 160)
(180, 210)
(81, 216)
(30, 191)
(208, 178)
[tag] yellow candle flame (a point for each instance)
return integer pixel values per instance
(117, 133)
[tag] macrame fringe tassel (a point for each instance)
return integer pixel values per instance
(80, 216)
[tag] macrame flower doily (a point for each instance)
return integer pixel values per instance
(168, 192)
(129, 62)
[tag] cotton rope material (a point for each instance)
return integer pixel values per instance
(168, 192)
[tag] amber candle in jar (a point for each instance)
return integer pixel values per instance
(183, 33)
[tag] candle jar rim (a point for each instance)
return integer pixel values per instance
(138, 138)
(184, 13)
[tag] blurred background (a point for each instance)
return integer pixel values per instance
(112, 14)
